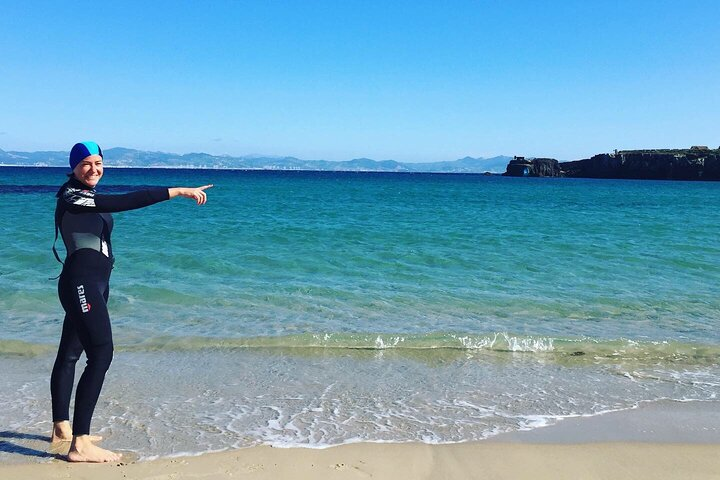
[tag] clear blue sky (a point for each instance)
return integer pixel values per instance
(411, 81)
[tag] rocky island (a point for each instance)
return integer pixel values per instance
(695, 163)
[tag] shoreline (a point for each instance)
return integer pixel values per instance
(692, 422)
(657, 440)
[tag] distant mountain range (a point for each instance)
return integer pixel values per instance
(124, 157)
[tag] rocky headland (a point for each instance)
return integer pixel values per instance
(696, 163)
(536, 167)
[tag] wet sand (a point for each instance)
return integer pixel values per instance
(666, 440)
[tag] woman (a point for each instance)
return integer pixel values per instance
(83, 218)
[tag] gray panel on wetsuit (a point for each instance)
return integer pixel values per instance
(84, 230)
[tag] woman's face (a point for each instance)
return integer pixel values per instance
(90, 170)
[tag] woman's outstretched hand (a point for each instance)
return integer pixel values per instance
(198, 193)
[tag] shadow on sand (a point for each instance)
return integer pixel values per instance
(11, 447)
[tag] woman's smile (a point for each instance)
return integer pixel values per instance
(90, 170)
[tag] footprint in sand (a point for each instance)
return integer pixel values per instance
(253, 467)
(342, 466)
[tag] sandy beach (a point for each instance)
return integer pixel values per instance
(413, 461)
(667, 440)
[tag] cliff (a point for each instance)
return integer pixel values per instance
(537, 167)
(697, 163)
(690, 164)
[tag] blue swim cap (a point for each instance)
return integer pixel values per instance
(82, 150)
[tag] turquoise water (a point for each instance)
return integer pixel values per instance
(320, 308)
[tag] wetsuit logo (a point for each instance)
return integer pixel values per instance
(84, 305)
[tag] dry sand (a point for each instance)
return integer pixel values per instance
(412, 461)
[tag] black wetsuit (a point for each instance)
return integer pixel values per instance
(83, 218)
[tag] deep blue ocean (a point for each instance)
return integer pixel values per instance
(318, 308)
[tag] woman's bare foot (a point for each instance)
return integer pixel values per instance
(83, 450)
(63, 433)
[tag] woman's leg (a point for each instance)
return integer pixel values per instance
(61, 380)
(84, 300)
(92, 324)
